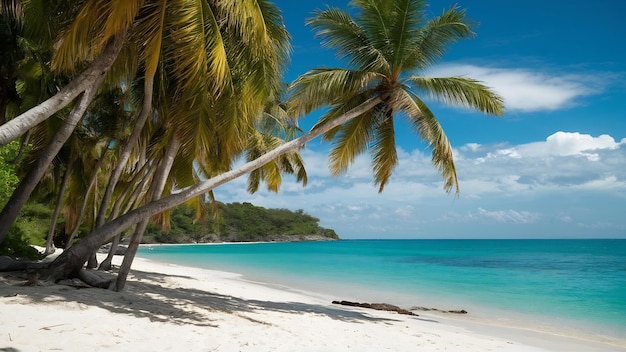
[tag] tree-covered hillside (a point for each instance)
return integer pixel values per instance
(240, 222)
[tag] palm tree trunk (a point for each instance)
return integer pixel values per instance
(158, 185)
(83, 206)
(21, 194)
(16, 127)
(68, 264)
(106, 263)
(146, 108)
(92, 261)
(127, 149)
(57, 208)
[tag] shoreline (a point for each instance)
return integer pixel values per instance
(172, 307)
(514, 314)
(480, 318)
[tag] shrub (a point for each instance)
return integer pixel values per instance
(15, 246)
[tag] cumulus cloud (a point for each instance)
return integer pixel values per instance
(558, 180)
(526, 89)
(558, 144)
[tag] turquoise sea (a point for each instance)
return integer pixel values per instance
(564, 284)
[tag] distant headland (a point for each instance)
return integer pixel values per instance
(238, 222)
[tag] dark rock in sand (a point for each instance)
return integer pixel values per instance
(424, 309)
(376, 306)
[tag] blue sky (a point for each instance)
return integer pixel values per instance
(554, 166)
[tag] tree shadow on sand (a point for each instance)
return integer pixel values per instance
(146, 296)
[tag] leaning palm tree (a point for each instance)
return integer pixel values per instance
(79, 45)
(215, 66)
(388, 44)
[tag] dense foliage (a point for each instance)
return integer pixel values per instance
(239, 222)
(8, 178)
(15, 244)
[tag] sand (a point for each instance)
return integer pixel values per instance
(176, 308)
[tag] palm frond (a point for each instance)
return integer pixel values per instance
(257, 41)
(429, 129)
(44, 20)
(350, 140)
(437, 35)
(271, 174)
(462, 91)
(195, 51)
(122, 15)
(199, 206)
(385, 156)
(94, 25)
(404, 25)
(339, 31)
(78, 43)
(328, 86)
(268, 173)
(149, 34)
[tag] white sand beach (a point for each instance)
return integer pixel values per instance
(175, 308)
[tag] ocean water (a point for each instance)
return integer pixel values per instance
(577, 284)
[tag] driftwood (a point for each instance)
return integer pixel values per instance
(376, 306)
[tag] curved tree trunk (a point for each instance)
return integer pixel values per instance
(57, 208)
(92, 261)
(146, 108)
(157, 187)
(83, 206)
(106, 263)
(22, 192)
(69, 263)
(16, 127)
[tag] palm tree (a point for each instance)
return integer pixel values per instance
(184, 43)
(208, 121)
(73, 51)
(387, 44)
(96, 36)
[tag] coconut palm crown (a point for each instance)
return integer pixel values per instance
(388, 44)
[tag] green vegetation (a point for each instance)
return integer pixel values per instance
(240, 222)
(16, 246)
(29, 229)
(17, 243)
(8, 178)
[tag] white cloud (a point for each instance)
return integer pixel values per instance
(474, 147)
(606, 183)
(506, 216)
(404, 211)
(526, 89)
(548, 183)
(559, 144)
